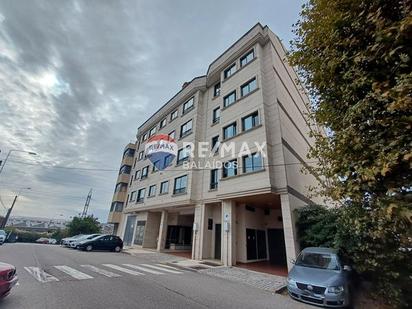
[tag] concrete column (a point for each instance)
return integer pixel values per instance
(198, 233)
(162, 231)
(229, 232)
(289, 229)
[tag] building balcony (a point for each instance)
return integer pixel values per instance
(127, 160)
(119, 196)
(114, 217)
(123, 178)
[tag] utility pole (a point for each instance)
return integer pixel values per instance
(86, 205)
(8, 213)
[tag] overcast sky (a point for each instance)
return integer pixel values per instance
(78, 77)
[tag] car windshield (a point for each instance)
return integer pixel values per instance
(2, 232)
(318, 260)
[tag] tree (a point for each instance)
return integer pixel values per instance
(355, 58)
(83, 225)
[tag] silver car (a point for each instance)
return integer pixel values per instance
(319, 278)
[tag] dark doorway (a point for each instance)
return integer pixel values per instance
(251, 243)
(129, 230)
(261, 244)
(277, 249)
(178, 235)
(218, 241)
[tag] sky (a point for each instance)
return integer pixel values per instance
(77, 78)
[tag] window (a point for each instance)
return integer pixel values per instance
(247, 58)
(229, 99)
(128, 153)
(152, 190)
(144, 137)
(216, 90)
(136, 175)
(252, 163)
(121, 187)
(180, 184)
(163, 123)
(230, 71)
(117, 207)
(164, 187)
(168, 160)
(140, 155)
(125, 169)
(183, 155)
(230, 168)
(216, 115)
(250, 121)
(174, 115)
(188, 105)
(248, 87)
(140, 195)
(133, 196)
(152, 131)
(215, 143)
(186, 128)
(134, 162)
(229, 131)
(213, 179)
(145, 171)
(155, 166)
(172, 134)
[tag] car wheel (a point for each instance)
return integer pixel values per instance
(117, 249)
(89, 248)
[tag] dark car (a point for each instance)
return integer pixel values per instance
(8, 278)
(103, 242)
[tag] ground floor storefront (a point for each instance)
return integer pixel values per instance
(255, 232)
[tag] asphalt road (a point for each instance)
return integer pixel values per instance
(105, 282)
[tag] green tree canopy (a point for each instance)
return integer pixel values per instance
(83, 225)
(355, 58)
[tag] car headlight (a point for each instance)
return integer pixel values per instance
(291, 282)
(336, 289)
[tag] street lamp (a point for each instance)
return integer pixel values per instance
(3, 224)
(8, 155)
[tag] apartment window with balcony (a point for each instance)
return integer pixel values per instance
(229, 131)
(215, 143)
(152, 131)
(145, 172)
(252, 163)
(136, 175)
(133, 196)
(216, 90)
(250, 121)
(213, 179)
(247, 58)
(183, 155)
(128, 152)
(180, 185)
(140, 195)
(163, 123)
(164, 187)
(121, 187)
(125, 169)
(229, 168)
(248, 87)
(172, 134)
(229, 99)
(144, 137)
(216, 115)
(174, 115)
(141, 155)
(230, 71)
(186, 128)
(152, 190)
(117, 207)
(188, 105)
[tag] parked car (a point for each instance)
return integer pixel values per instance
(8, 279)
(3, 237)
(44, 240)
(73, 244)
(103, 242)
(67, 240)
(318, 277)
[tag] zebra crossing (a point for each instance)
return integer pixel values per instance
(87, 272)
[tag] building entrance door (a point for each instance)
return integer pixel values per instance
(128, 232)
(251, 253)
(218, 241)
(277, 248)
(138, 236)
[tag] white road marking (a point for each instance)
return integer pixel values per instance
(103, 272)
(122, 269)
(144, 269)
(40, 275)
(162, 269)
(73, 272)
(167, 266)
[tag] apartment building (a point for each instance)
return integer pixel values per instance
(241, 211)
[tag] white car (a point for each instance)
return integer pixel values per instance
(3, 236)
(65, 241)
(74, 243)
